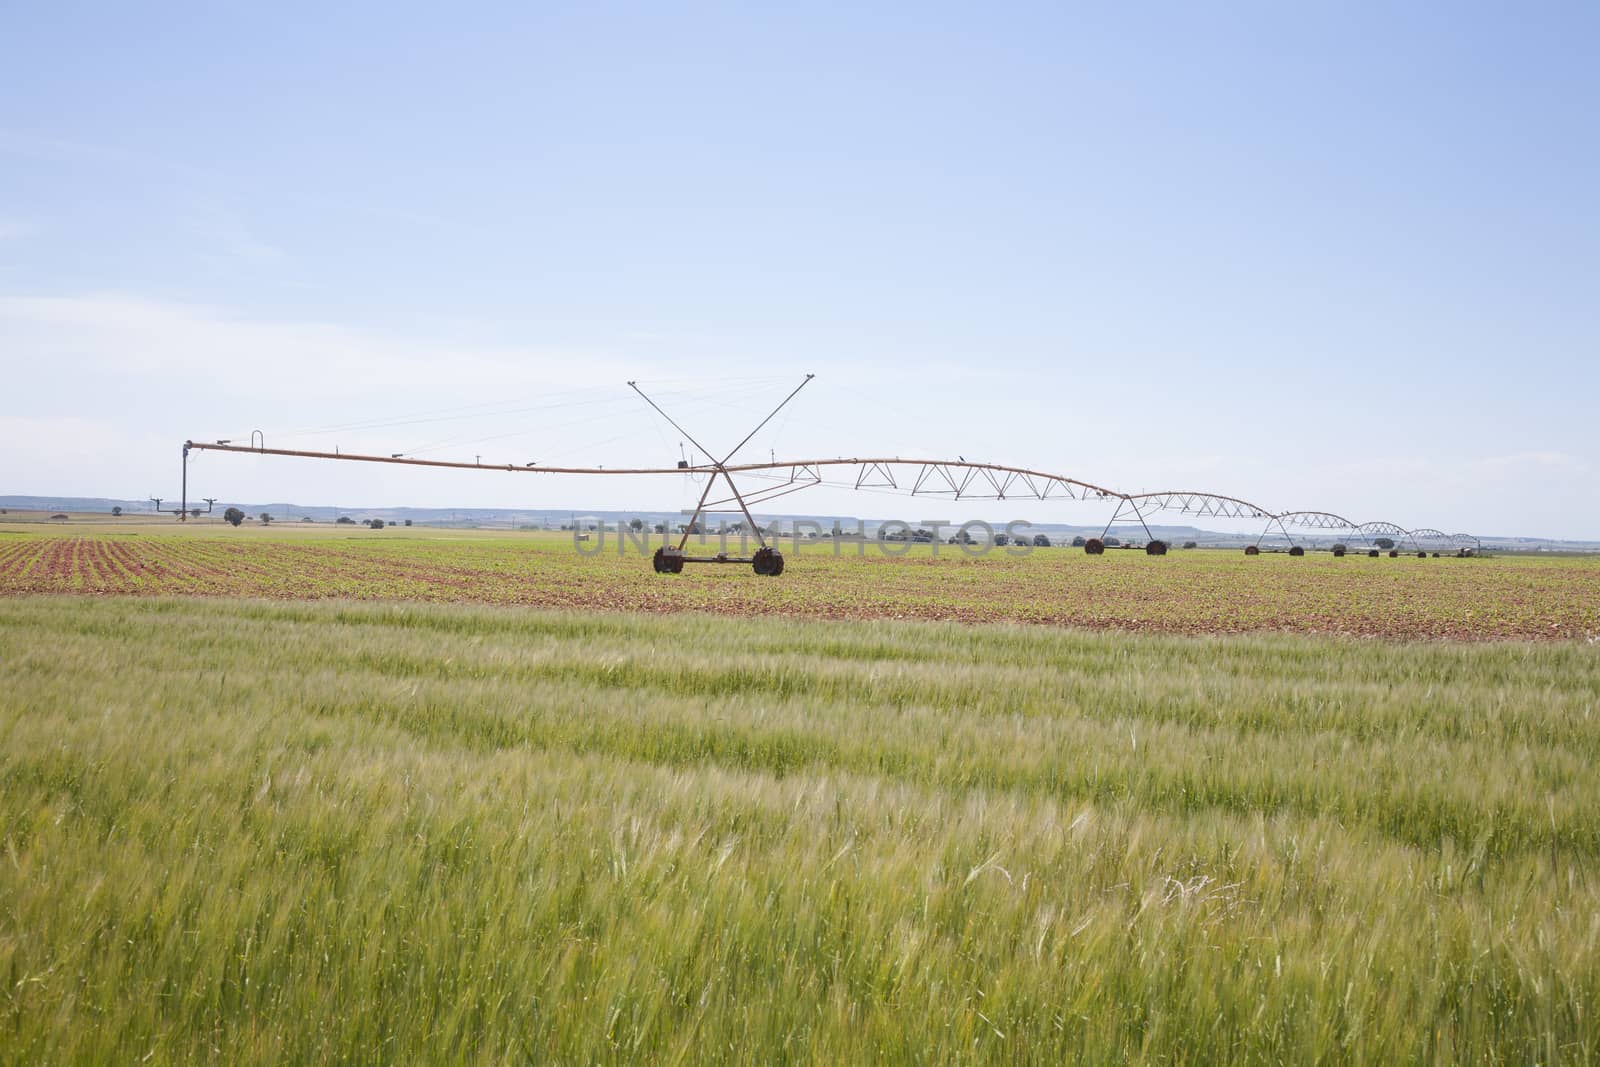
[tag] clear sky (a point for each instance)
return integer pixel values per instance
(1333, 256)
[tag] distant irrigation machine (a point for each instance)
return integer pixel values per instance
(939, 479)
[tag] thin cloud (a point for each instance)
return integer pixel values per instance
(227, 233)
(1531, 461)
(133, 333)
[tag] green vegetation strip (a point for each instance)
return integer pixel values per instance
(263, 832)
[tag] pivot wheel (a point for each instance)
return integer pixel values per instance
(767, 561)
(1094, 546)
(666, 562)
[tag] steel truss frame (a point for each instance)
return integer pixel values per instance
(940, 479)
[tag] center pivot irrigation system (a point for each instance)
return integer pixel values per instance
(945, 479)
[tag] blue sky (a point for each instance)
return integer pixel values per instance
(1318, 256)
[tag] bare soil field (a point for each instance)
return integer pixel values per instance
(1198, 591)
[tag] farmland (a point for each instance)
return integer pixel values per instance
(1185, 592)
(261, 832)
(312, 795)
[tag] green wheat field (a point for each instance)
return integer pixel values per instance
(264, 832)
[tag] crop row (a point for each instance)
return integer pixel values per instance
(1193, 592)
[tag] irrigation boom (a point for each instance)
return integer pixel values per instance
(693, 468)
(946, 479)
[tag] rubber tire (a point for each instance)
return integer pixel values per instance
(1094, 546)
(1297, 551)
(1156, 548)
(1251, 550)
